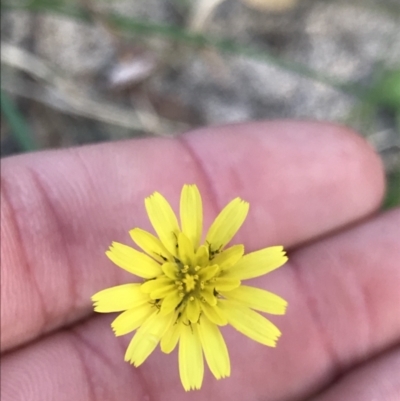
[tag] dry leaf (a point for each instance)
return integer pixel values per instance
(270, 5)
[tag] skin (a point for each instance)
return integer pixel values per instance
(314, 188)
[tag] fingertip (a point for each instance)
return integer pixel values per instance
(320, 168)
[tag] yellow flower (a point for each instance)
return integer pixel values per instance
(190, 289)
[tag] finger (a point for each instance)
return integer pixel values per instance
(343, 309)
(375, 380)
(61, 209)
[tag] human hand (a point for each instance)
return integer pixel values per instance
(61, 209)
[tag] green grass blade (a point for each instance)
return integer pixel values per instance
(392, 198)
(17, 123)
(174, 33)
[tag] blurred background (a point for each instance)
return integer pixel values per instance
(84, 71)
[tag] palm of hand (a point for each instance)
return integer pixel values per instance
(61, 209)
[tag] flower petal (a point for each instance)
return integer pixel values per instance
(159, 288)
(202, 258)
(214, 314)
(191, 364)
(147, 337)
(193, 310)
(150, 244)
(250, 323)
(226, 283)
(170, 338)
(119, 298)
(258, 299)
(191, 212)
(208, 272)
(163, 220)
(163, 292)
(185, 250)
(228, 257)
(151, 285)
(226, 224)
(170, 302)
(215, 349)
(131, 319)
(170, 270)
(133, 261)
(258, 263)
(208, 295)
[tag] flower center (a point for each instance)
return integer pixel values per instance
(190, 281)
(182, 287)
